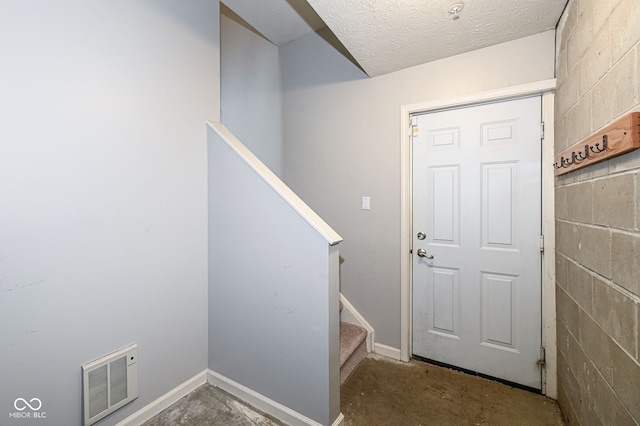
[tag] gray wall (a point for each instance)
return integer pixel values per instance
(103, 178)
(598, 221)
(273, 297)
(251, 91)
(342, 142)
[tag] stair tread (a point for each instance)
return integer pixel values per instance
(351, 336)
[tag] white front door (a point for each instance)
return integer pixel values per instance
(476, 239)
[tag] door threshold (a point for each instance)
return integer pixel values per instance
(475, 373)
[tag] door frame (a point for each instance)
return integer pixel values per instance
(545, 89)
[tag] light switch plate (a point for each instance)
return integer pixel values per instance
(366, 203)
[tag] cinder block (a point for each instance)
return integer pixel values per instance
(562, 339)
(575, 360)
(626, 381)
(579, 40)
(588, 414)
(572, 356)
(579, 363)
(585, 375)
(596, 61)
(614, 201)
(579, 120)
(595, 249)
(560, 132)
(567, 94)
(608, 407)
(600, 12)
(567, 396)
(567, 24)
(568, 312)
(624, 19)
(637, 209)
(584, 7)
(580, 286)
(598, 347)
(625, 256)
(561, 204)
(616, 314)
(615, 93)
(561, 66)
(561, 270)
(579, 202)
(638, 333)
(626, 162)
(567, 239)
(594, 171)
(568, 178)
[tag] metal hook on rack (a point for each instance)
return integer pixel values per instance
(597, 149)
(567, 162)
(600, 146)
(584, 155)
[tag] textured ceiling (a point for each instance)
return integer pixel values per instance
(388, 35)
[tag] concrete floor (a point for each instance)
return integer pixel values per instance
(209, 405)
(386, 392)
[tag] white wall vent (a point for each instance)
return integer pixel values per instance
(109, 383)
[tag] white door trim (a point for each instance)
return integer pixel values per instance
(546, 89)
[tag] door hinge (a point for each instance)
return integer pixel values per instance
(541, 131)
(542, 362)
(413, 127)
(542, 243)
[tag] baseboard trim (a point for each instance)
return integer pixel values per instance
(388, 351)
(263, 403)
(243, 393)
(351, 315)
(155, 407)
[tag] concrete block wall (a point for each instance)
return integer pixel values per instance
(598, 217)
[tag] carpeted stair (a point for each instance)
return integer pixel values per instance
(353, 348)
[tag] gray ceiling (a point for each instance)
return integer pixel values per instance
(388, 35)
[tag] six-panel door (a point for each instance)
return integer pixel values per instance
(477, 197)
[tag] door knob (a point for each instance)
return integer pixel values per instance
(423, 253)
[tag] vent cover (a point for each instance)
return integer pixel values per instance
(109, 383)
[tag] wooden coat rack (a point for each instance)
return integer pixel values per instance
(618, 138)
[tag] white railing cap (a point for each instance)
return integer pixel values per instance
(276, 183)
